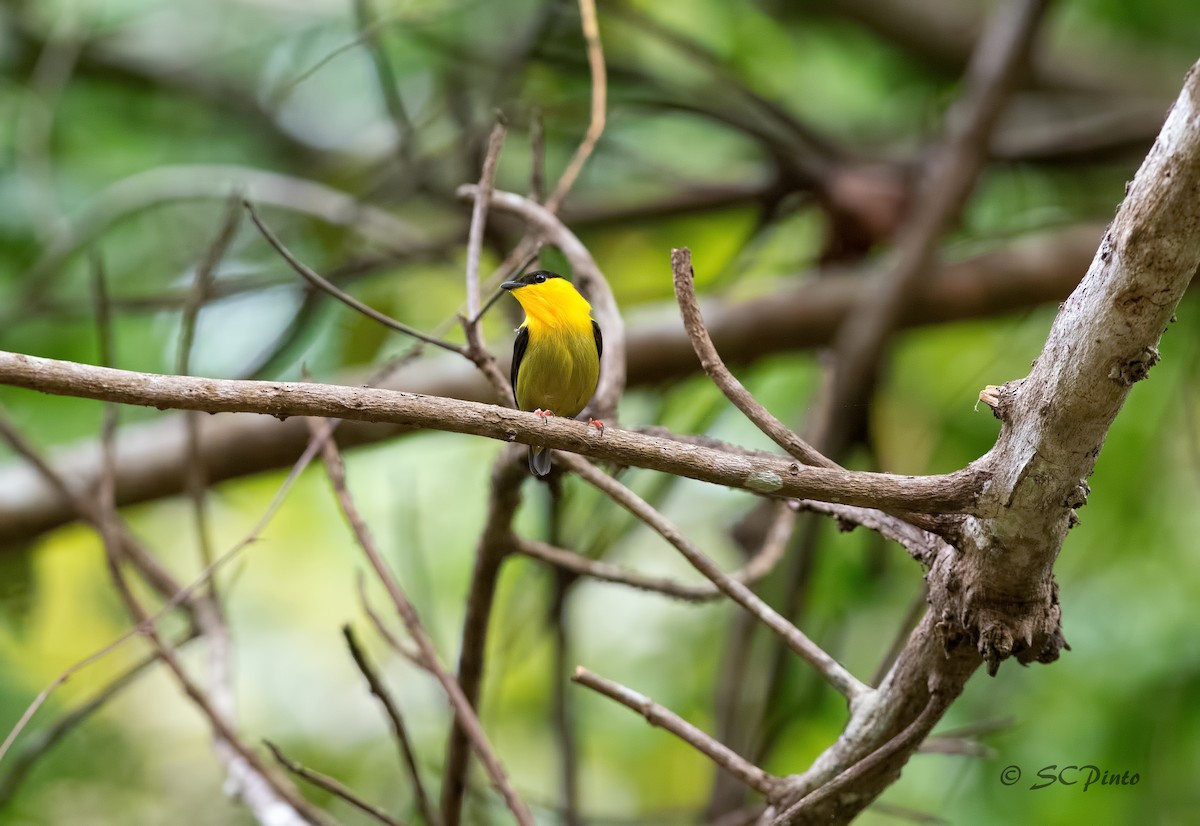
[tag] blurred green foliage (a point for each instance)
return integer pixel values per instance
(290, 88)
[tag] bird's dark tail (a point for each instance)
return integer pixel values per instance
(539, 461)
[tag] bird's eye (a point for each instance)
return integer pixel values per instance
(540, 278)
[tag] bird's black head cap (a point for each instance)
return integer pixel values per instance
(535, 277)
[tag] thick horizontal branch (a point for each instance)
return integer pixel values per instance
(952, 493)
(152, 456)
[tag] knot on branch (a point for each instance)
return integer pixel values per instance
(1029, 632)
(1135, 369)
(976, 610)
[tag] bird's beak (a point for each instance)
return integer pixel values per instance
(511, 285)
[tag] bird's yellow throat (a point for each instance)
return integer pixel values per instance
(554, 305)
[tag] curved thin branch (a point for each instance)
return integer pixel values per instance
(591, 283)
(595, 57)
(476, 350)
(399, 730)
(321, 283)
(710, 360)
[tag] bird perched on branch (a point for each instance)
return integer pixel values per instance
(556, 357)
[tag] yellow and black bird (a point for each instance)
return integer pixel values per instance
(556, 357)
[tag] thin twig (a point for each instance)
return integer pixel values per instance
(312, 277)
(476, 349)
(710, 360)
(829, 668)
(197, 482)
(399, 730)
(495, 543)
(483, 195)
(595, 56)
(664, 718)
(463, 711)
(327, 783)
(406, 651)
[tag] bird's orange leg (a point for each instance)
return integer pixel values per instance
(596, 423)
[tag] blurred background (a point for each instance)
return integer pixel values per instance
(783, 143)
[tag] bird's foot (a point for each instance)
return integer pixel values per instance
(596, 423)
(545, 414)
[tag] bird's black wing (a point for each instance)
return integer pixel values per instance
(519, 353)
(599, 342)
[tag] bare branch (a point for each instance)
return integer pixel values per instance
(951, 493)
(495, 543)
(758, 567)
(399, 730)
(830, 669)
(476, 350)
(710, 360)
(994, 596)
(595, 56)
(483, 196)
(664, 718)
(463, 711)
(312, 277)
(330, 785)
